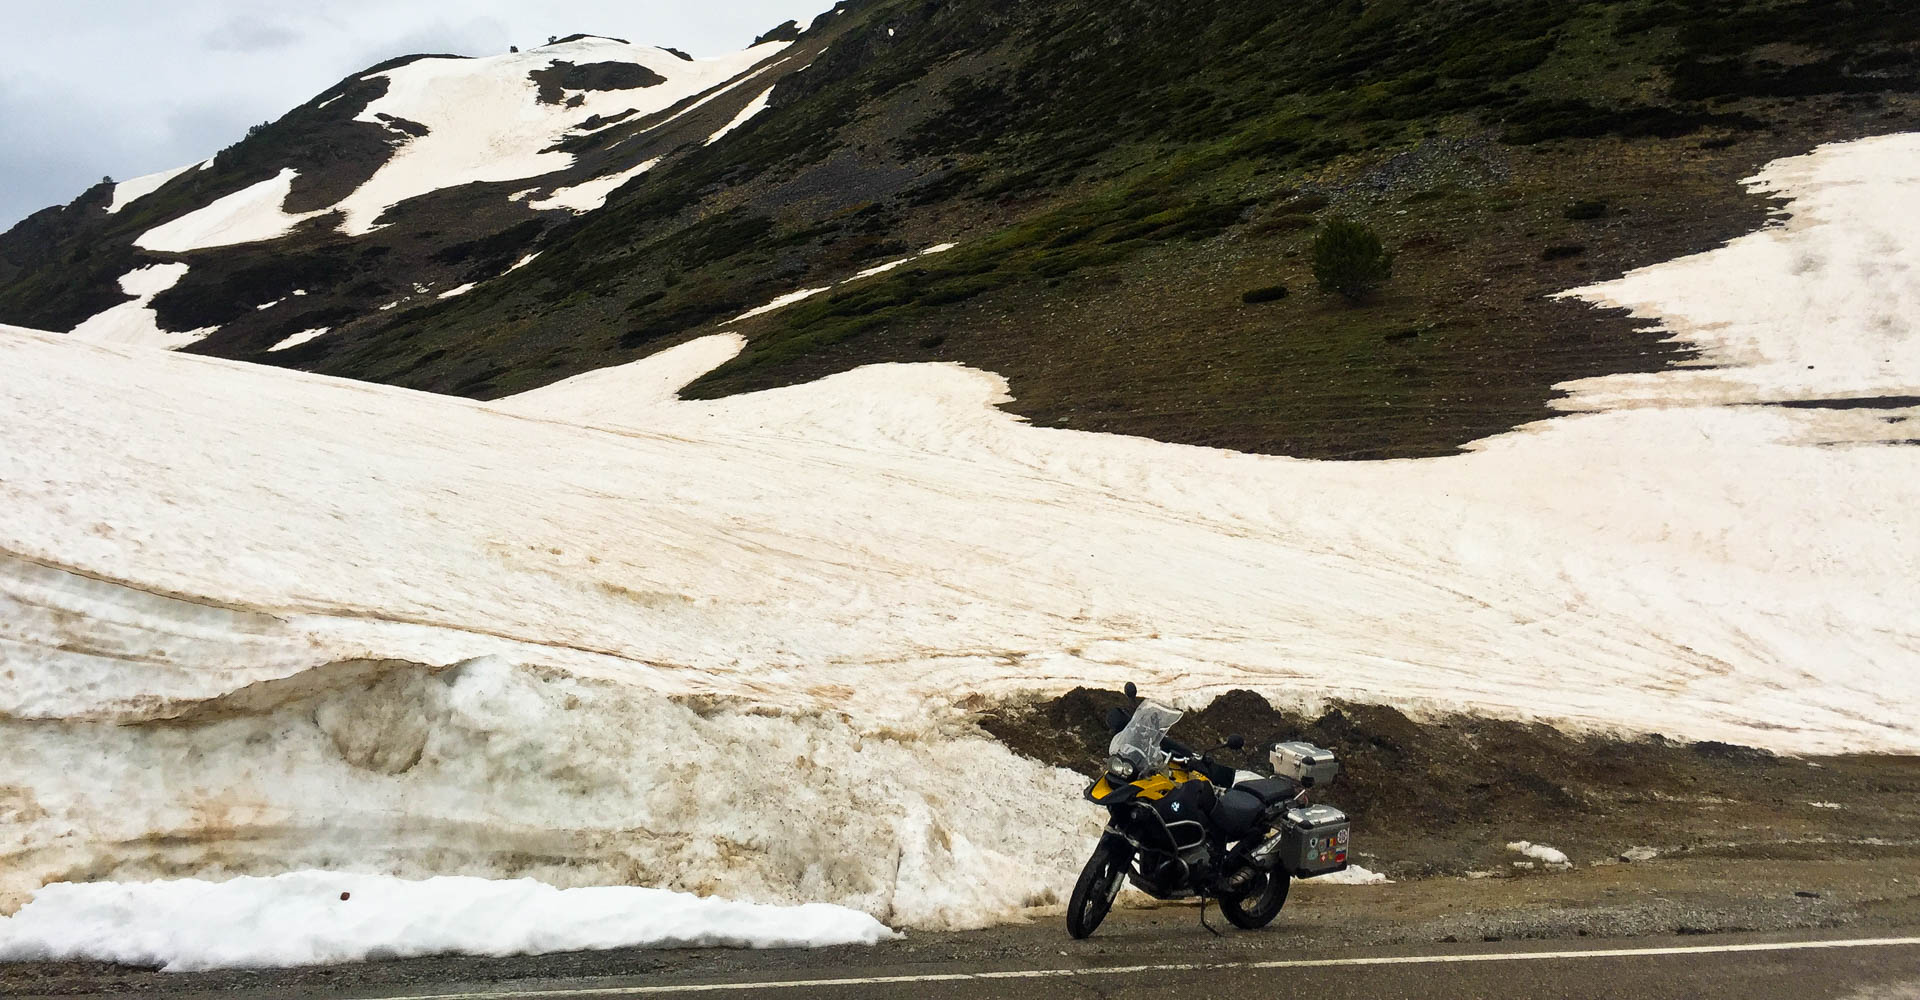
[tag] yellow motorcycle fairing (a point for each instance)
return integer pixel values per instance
(1151, 787)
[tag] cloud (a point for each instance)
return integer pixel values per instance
(250, 34)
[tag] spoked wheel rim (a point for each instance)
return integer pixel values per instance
(1094, 894)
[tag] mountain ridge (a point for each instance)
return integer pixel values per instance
(1116, 179)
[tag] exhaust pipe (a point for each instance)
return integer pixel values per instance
(1265, 853)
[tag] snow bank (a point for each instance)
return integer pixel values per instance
(491, 768)
(325, 918)
(135, 322)
(730, 646)
(249, 215)
(127, 192)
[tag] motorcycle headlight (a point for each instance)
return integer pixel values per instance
(1122, 768)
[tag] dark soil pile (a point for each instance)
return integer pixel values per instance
(1446, 796)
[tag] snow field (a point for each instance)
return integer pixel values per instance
(805, 590)
(249, 215)
(485, 121)
(325, 918)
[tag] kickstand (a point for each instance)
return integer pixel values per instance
(1203, 918)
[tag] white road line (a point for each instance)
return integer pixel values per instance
(1115, 970)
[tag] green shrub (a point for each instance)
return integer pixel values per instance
(1348, 259)
(1267, 294)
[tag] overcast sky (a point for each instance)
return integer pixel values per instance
(120, 88)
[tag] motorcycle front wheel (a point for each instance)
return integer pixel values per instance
(1093, 894)
(1257, 908)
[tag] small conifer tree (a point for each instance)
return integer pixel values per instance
(1348, 259)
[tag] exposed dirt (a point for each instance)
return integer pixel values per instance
(1447, 796)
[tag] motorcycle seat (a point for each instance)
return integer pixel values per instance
(1268, 790)
(1235, 812)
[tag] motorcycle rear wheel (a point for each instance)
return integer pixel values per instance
(1257, 909)
(1093, 893)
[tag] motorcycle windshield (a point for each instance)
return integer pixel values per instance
(1139, 742)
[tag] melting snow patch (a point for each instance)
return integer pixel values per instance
(524, 261)
(457, 290)
(1639, 854)
(300, 338)
(127, 192)
(325, 918)
(249, 215)
(754, 107)
(1352, 875)
(135, 322)
(592, 194)
(1539, 852)
(785, 300)
(1826, 805)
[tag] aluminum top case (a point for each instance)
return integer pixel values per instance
(1303, 762)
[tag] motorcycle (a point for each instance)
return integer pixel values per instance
(1182, 825)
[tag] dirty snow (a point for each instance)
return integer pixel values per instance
(249, 215)
(486, 123)
(730, 646)
(300, 338)
(326, 918)
(592, 194)
(1353, 875)
(135, 322)
(1539, 852)
(754, 107)
(127, 192)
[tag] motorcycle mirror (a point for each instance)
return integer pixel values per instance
(1132, 692)
(1117, 719)
(1235, 741)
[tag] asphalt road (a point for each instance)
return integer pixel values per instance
(1752, 929)
(1746, 967)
